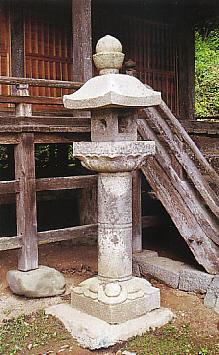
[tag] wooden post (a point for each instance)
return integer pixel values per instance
(82, 40)
(130, 67)
(186, 67)
(17, 39)
(136, 212)
(26, 202)
(82, 71)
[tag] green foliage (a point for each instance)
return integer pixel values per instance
(207, 74)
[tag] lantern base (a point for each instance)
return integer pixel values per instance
(115, 302)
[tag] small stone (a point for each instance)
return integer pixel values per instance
(42, 282)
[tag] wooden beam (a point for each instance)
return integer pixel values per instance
(204, 250)
(12, 99)
(7, 243)
(7, 187)
(26, 202)
(9, 138)
(82, 40)
(88, 205)
(58, 235)
(66, 183)
(209, 196)
(14, 80)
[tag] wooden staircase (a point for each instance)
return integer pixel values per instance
(184, 182)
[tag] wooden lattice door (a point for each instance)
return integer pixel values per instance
(48, 45)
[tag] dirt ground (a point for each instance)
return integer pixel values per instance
(79, 262)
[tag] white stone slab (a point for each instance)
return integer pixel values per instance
(94, 333)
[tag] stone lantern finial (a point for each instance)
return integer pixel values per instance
(109, 57)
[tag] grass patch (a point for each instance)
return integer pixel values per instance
(26, 333)
(170, 340)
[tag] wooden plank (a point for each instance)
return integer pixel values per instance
(67, 137)
(194, 174)
(9, 186)
(185, 189)
(136, 212)
(58, 235)
(7, 243)
(18, 79)
(9, 138)
(31, 100)
(204, 250)
(88, 205)
(201, 127)
(66, 183)
(26, 202)
(82, 40)
(186, 138)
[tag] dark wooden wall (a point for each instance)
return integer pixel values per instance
(159, 38)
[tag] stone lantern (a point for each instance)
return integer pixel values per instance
(114, 296)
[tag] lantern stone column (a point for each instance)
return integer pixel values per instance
(114, 295)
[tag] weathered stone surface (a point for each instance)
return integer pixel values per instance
(115, 302)
(163, 269)
(42, 282)
(94, 333)
(193, 280)
(111, 89)
(109, 157)
(138, 257)
(212, 296)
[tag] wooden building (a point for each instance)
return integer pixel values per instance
(45, 51)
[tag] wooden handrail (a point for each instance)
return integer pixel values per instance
(156, 119)
(182, 133)
(38, 100)
(10, 80)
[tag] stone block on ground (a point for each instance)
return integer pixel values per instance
(193, 280)
(212, 296)
(163, 269)
(94, 333)
(138, 257)
(42, 282)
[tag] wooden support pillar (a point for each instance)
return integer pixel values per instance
(17, 38)
(82, 71)
(186, 66)
(26, 202)
(82, 40)
(136, 212)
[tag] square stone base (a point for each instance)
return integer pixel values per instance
(118, 312)
(94, 333)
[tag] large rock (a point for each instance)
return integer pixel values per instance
(42, 282)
